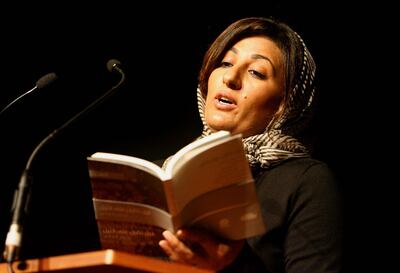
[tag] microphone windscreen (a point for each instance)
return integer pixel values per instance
(46, 80)
(112, 63)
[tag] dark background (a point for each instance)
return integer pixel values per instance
(154, 113)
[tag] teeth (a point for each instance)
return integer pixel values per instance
(225, 100)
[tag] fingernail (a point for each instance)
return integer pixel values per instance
(168, 235)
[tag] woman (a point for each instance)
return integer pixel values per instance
(257, 79)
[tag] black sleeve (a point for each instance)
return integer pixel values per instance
(314, 224)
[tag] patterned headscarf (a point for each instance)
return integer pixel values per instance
(278, 143)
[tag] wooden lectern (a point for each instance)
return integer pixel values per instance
(102, 261)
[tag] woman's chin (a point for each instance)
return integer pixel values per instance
(219, 127)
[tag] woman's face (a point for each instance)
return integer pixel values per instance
(246, 89)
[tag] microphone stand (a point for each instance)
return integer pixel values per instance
(21, 197)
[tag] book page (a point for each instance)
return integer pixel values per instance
(208, 167)
(181, 156)
(131, 227)
(130, 206)
(133, 238)
(231, 212)
(131, 212)
(115, 181)
(131, 161)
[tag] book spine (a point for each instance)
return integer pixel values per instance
(170, 197)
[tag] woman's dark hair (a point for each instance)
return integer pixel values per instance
(280, 33)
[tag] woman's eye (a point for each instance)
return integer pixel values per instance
(257, 74)
(226, 64)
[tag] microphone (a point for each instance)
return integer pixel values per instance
(113, 64)
(41, 83)
(21, 197)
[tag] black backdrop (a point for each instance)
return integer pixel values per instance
(155, 111)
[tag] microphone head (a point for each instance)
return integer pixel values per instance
(46, 80)
(111, 64)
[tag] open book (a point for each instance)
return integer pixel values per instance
(207, 184)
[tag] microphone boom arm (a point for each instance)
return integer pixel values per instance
(21, 197)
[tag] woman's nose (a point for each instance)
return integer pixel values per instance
(232, 78)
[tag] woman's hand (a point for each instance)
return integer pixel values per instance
(199, 248)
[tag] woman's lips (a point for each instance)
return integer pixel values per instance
(224, 102)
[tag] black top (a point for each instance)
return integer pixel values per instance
(302, 210)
